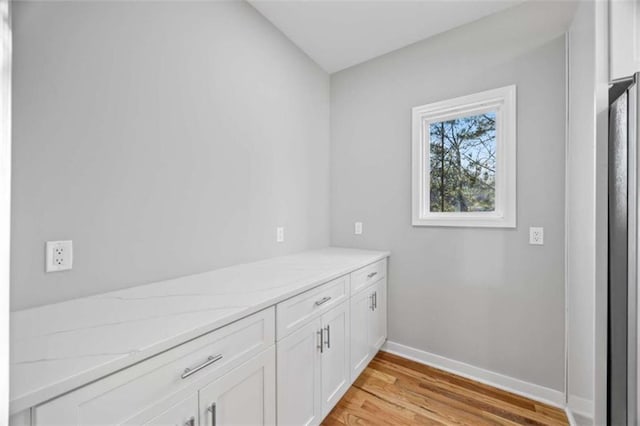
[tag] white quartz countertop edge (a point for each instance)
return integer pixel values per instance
(38, 395)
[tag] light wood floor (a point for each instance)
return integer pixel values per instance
(396, 391)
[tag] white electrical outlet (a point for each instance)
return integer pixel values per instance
(536, 236)
(59, 256)
(279, 234)
(358, 228)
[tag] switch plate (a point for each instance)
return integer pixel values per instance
(536, 236)
(358, 228)
(59, 256)
(280, 234)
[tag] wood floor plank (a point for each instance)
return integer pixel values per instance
(459, 381)
(403, 396)
(460, 398)
(396, 391)
(454, 393)
(359, 407)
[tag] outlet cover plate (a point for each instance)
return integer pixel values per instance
(59, 256)
(536, 236)
(280, 234)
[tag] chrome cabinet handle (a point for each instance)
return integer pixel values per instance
(328, 341)
(323, 300)
(212, 410)
(190, 422)
(375, 300)
(321, 334)
(371, 275)
(371, 305)
(212, 359)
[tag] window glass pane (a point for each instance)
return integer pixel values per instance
(463, 164)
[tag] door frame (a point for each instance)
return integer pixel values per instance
(5, 201)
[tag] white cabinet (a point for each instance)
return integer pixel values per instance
(244, 396)
(22, 418)
(361, 308)
(235, 375)
(313, 368)
(378, 323)
(297, 311)
(335, 356)
(624, 38)
(368, 325)
(299, 370)
(368, 275)
(136, 395)
(184, 413)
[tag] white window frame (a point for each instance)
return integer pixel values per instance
(502, 101)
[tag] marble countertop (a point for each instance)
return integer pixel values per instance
(59, 347)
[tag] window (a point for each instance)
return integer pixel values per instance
(464, 161)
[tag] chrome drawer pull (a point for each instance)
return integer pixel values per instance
(375, 300)
(212, 410)
(189, 371)
(328, 342)
(371, 275)
(321, 334)
(323, 300)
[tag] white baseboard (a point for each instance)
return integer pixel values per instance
(580, 406)
(510, 384)
(569, 413)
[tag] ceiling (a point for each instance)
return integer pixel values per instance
(340, 33)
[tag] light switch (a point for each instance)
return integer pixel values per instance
(280, 234)
(358, 228)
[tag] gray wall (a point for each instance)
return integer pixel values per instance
(164, 139)
(481, 296)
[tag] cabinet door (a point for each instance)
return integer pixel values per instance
(243, 397)
(184, 413)
(624, 36)
(361, 308)
(378, 320)
(335, 356)
(299, 385)
(23, 418)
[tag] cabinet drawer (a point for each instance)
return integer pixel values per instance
(184, 413)
(368, 275)
(299, 310)
(163, 379)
